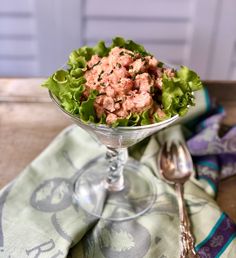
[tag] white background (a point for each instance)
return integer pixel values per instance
(37, 36)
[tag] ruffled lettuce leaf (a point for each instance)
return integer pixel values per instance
(68, 103)
(86, 110)
(57, 82)
(102, 119)
(118, 42)
(157, 118)
(121, 122)
(189, 79)
(130, 120)
(177, 92)
(52, 86)
(77, 72)
(100, 49)
(67, 89)
(145, 118)
(130, 45)
(134, 120)
(86, 52)
(76, 60)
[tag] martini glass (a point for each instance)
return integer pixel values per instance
(114, 187)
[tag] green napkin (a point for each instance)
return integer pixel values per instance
(38, 219)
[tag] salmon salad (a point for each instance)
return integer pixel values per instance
(122, 85)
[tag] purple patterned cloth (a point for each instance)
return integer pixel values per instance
(219, 238)
(214, 157)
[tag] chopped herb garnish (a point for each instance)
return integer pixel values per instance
(103, 84)
(160, 64)
(99, 76)
(133, 77)
(95, 64)
(152, 90)
(131, 54)
(118, 65)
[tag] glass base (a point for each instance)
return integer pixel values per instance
(92, 194)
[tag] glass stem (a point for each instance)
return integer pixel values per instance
(116, 158)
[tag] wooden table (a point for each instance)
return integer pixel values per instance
(29, 121)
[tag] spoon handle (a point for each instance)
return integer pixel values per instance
(186, 237)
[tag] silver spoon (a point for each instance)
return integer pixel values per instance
(175, 165)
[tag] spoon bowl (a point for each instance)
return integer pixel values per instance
(175, 163)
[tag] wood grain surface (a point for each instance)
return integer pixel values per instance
(29, 122)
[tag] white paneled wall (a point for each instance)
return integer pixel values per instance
(176, 31)
(36, 37)
(59, 30)
(232, 73)
(222, 60)
(161, 25)
(138, 8)
(18, 39)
